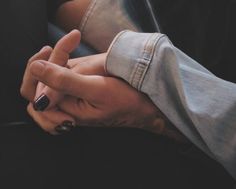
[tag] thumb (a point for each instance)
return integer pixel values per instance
(66, 82)
(59, 56)
(64, 47)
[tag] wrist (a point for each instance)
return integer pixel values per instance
(162, 126)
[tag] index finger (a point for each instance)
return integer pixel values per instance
(29, 83)
(59, 56)
(67, 82)
(64, 47)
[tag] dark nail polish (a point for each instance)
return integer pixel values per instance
(41, 103)
(66, 126)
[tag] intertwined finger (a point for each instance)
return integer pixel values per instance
(66, 81)
(51, 119)
(29, 83)
(64, 47)
(59, 56)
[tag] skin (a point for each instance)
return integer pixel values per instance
(82, 92)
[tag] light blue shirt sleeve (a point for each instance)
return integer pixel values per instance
(201, 105)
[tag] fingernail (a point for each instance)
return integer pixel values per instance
(41, 103)
(65, 127)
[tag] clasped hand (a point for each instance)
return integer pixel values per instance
(65, 93)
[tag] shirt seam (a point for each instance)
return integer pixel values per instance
(140, 70)
(153, 50)
(87, 15)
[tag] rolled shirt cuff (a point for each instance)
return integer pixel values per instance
(201, 105)
(130, 55)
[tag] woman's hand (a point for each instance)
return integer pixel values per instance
(90, 96)
(31, 89)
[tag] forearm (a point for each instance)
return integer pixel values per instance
(70, 14)
(198, 103)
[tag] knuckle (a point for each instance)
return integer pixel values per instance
(70, 64)
(22, 91)
(24, 94)
(61, 79)
(48, 71)
(30, 60)
(29, 110)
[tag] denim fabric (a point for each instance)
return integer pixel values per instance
(104, 19)
(201, 105)
(198, 103)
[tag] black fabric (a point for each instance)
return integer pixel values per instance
(86, 157)
(23, 33)
(102, 158)
(140, 14)
(204, 30)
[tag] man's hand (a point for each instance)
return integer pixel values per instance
(81, 92)
(97, 100)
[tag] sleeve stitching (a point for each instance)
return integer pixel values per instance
(87, 15)
(143, 63)
(111, 47)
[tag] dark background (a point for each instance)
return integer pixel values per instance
(107, 158)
